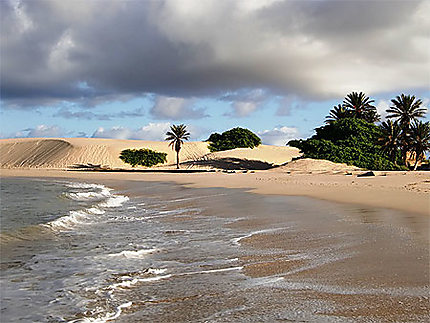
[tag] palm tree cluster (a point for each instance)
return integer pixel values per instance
(406, 135)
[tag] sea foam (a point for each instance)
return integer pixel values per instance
(100, 194)
(114, 201)
(133, 253)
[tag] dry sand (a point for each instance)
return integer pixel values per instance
(407, 191)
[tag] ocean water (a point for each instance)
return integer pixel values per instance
(158, 252)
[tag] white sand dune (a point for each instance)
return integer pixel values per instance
(60, 153)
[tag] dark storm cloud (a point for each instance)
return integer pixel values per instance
(310, 49)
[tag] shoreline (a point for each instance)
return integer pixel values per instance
(403, 191)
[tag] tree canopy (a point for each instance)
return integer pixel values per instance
(233, 138)
(142, 157)
(352, 141)
(351, 136)
(355, 105)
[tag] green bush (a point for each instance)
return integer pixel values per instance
(351, 141)
(142, 157)
(233, 138)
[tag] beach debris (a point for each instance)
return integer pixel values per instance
(89, 166)
(366, 174)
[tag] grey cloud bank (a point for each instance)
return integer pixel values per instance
(184, 49)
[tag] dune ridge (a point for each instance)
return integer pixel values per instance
(61, 153)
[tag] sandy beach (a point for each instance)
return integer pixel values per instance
(302, 240)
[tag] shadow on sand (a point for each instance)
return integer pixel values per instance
(229, 164)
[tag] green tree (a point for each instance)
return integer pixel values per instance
(420, 140)
(352, 141)
(390, 139)
(143, 157)
(176, 136)
(233, 138)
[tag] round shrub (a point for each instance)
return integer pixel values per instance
(233, 138)
(143, 157)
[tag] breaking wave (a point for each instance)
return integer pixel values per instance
(100, 194)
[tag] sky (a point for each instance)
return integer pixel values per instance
(130, 69)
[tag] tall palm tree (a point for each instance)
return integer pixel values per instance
(360, 105)
(406, 109)
(338, 112)
(420, 139)
(390, 138)
(177, 135)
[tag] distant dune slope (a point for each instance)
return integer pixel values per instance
(308, 165)
(33, 153)
(65, 152)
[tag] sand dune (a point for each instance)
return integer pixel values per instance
(60, 153)
(308, 165)
(65, 152)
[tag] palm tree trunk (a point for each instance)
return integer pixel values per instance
(177, 159)
(416, 160)
(393, 157)
(405, 157)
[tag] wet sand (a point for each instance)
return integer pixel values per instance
(310, 260)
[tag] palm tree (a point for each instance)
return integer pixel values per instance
(406, 109)
(420, 139)
(177, 135)
(390, 138)
(338, 112)
(360, 105)
(372, 116)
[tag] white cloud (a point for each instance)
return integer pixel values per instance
(289, 103)
(279, 136)
(175, 108)
(245, 102)
(381, 107)
(243, 109)
(41, 131)
(116, 132)
(152, 131)
(426, 104)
